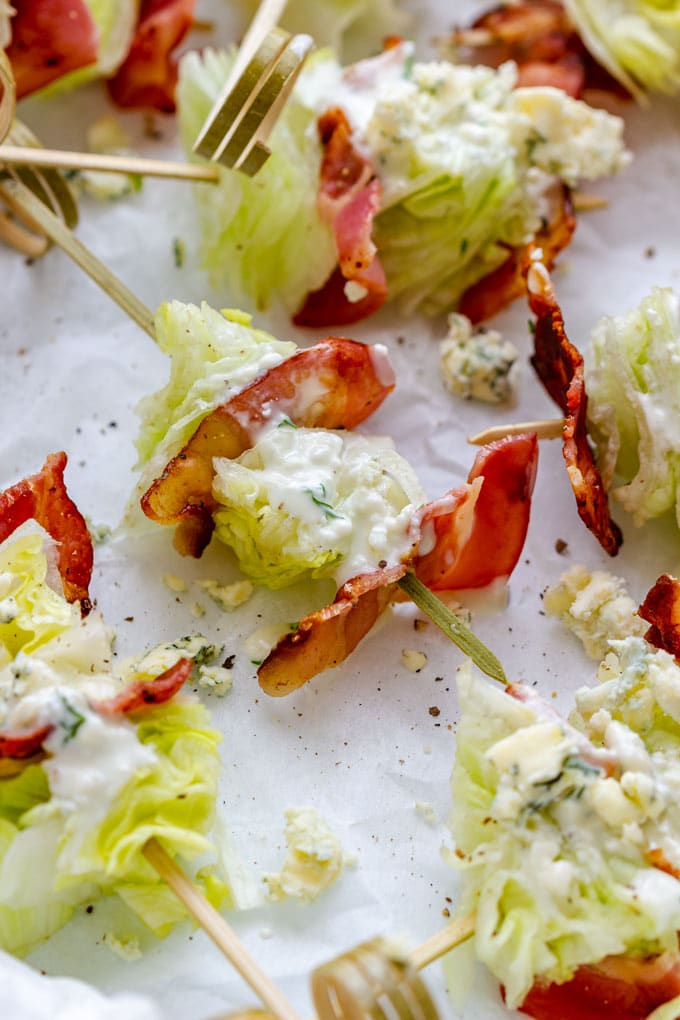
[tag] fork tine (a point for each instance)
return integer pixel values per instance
(255, 121)
(234, 102)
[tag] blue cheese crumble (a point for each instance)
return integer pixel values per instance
(477, 365)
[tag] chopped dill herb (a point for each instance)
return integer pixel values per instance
(72, 720)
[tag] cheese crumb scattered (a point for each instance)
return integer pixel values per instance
(476, 366)
(174, 583)
(595, 607)
(314, 859)
(125, 946)
(215, 679)
(413, 659)
(228, 596)
(197, 610)
(427, 811)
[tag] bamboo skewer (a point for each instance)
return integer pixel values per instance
(453, 935)
(215, 926)
(548, 428)
(27, 155)
(21, 199)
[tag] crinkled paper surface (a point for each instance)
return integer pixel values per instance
(366, 743)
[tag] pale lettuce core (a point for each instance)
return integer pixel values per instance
(551, 849)
(638, 41)
(72, 827)
(633, 378)
(307, 503)
(465, 160)
(214, 355)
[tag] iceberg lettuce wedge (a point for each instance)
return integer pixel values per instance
(308, 503)
(551, 847)
(633, 379)
(638, 41)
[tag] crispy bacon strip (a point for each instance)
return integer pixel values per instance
(661, 608)
(43, 497)
(539, 36)
(470, 527)
(49, 39)
(618, 988)
(500, 288)
(349, 199)
(142, 694)
(325, 638)
(148, 76)
(480, 527)
(23, 744)
(335, 384)
(559, 366)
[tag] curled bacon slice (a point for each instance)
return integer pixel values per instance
(49, 39)
(480, 527)
(43, 498)
(559, 366)
(500, 288)
(349, 199)
(148, 75)
(335, 384)
(325, 638)
(144, 693)
(23, 744)
(540, 37)
(661, 609)
(464, 523)
(617, 988)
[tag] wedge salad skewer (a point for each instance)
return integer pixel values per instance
(425, 184)
(98, 769)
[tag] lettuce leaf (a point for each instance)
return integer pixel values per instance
(214, 355)
(33, 612)
(638, 41)
(556, 878)
(633, 379)
(260, 236)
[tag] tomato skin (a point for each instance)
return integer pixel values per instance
(619, 988)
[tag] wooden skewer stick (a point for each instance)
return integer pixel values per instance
(27, 155)
(214, 925)
(454, 934)
(548, 428)
(24, 202)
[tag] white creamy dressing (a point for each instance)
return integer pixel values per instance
(349, 495)
(87, 770)
(355, 89)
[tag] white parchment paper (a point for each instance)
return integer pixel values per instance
(362, 743)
